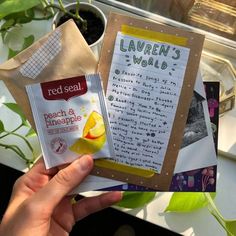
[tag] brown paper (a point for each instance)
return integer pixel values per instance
(194, 43)
(74, 58)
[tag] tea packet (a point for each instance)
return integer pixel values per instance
(71, 119)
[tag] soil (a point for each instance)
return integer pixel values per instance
(95, 25)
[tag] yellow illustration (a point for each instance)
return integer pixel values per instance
(93, 137)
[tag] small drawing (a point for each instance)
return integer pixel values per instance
(82, 109)
(117, 71)
(207, 177)
(128, 60)
(93, 100)
(191, 178)
(213, 105)
(172, 70)
(214, 129)
(153, 135)
(110, 98)
(181, 182)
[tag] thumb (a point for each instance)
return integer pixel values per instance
(63, 182)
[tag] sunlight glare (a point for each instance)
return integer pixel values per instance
(2, 100)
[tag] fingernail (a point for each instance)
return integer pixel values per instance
(85, 162)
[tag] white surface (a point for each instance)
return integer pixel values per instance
(227, 134)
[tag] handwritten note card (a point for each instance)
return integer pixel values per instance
(144, 86)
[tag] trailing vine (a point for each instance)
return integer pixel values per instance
(4, 133)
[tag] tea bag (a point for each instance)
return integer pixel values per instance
(71, 119)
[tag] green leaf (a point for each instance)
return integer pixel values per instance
(3, 34)
(136, 199)
(27, 42)
(228, 225)
(231, 227)
(12, 53)
(15, 108)
(2, 129)
(27, 16)
(11, 6)
(22, 17)
(7, 24)
(30, 133)
(30, 13)
(186, 202)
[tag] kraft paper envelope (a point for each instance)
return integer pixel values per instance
(60, 54)
(133, 69)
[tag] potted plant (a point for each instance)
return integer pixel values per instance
(90, 20)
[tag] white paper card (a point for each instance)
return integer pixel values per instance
(200, 153)
(144, 86)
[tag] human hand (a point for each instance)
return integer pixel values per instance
(40, 204)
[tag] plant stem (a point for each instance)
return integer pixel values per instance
(215, 212)
(16, 149)
(44, 17)
(62, 9)
(77, 8)
(45, 4)
(61, 5)
(13, 131)
(26, 141)
(18, 135)
(19, 153)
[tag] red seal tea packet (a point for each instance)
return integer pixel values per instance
(71, 119)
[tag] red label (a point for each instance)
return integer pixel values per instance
(64, 89)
